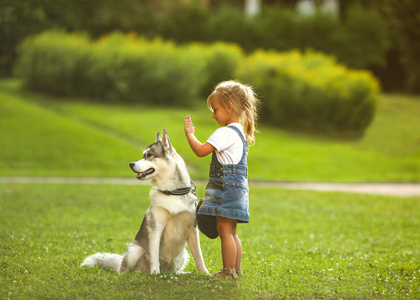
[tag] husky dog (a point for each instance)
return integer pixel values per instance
(169, 223)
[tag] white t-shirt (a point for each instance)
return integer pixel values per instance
(228, 144)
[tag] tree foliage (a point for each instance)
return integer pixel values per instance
(403, 18)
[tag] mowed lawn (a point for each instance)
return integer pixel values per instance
(47, 136)
(298, 245)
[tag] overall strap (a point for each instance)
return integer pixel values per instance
(215, 161)
(245, 145)
(239, 133)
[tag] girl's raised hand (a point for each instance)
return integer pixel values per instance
(188, 126)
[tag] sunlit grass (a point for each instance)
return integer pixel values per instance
(298, 245)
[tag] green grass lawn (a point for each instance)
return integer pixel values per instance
(46, 136)
(298, 245)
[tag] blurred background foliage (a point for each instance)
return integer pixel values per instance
(308, 91)
(382, 36)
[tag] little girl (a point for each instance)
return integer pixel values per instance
(226, 202)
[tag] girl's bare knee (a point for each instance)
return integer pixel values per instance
(226, 226)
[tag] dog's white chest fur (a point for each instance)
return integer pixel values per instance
(175, 229)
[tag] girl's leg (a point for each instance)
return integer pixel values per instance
(238, 250)
(227, 231)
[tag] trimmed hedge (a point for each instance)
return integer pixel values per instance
(54, 63)
(221, 62)
(121, 67)
(117, 67)
(309, 91)
(126, 68)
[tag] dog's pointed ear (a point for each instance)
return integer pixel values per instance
(158, 139)
(166, 142)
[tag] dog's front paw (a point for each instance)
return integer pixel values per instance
(205, 271)
(154, 271)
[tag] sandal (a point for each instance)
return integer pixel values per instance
(239, 272)
(225, 272)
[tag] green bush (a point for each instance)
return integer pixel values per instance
(54, 62)
(121, 67)
(221, 62)
(311, 91)
(117, 67)
(127, 68)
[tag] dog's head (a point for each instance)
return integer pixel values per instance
(156, 158)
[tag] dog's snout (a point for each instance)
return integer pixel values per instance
(132, 165)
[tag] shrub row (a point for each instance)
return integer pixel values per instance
(298, 90)
(123, 67)
(311, 91)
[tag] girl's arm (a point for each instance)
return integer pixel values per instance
(197, 147)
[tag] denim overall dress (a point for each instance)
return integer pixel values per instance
(227, 192)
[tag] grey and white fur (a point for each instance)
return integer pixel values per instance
(169, 223)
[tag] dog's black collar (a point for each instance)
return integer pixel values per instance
(181, 191)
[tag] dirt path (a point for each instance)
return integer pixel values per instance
(390, 189)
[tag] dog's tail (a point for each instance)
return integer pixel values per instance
(104, 260)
